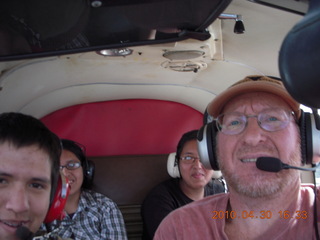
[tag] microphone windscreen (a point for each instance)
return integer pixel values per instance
(269, 164)
(24, 233)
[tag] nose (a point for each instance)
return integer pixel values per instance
(18, 200)
(197, 163)
(64, 171)
(253, 134)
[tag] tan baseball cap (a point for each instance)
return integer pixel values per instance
(253, 83)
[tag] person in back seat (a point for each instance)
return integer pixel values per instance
(194, 183)
(90, 215)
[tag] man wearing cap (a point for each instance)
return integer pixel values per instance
(253, 118)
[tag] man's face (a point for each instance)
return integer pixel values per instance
(236, 152)
(25, 185)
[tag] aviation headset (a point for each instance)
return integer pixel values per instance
(309, 124)
(174, 171)
(87, 166)
(88, 173)
(59, 200)
(173, 158)
(172, 165)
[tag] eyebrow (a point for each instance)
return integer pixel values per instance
(73, 160)
(43, 180)
(38, 179)
(189, 153)
(4, 174)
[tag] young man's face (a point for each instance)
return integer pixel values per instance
(25, 185)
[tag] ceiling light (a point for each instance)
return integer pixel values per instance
(96, 3)
(115, 52)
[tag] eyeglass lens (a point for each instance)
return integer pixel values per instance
(270, 120)
(71, 165)
(189, 159)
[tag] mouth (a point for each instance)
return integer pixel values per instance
(13, 224)
(198, 175)
(248, 160)
(70, 181)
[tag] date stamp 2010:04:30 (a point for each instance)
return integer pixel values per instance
(259, 215)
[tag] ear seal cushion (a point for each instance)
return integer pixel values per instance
(303, 137)
(306, 137)
(172, 166)
(90, 170)
(207, 144)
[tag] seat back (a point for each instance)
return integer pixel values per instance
(127, 180)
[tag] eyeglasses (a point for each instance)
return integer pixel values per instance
(71, 165)
(271, 120)
(189, 159)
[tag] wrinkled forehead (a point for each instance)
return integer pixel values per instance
(255, 101)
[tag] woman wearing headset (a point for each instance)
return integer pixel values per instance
(194, 183)
(89, 215)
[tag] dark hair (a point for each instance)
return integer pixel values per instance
(80, 152)
(23, 130)
(188, 136)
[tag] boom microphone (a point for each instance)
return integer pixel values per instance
(24, 233)
(271, 164)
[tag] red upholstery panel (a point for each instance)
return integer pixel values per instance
(125, 127)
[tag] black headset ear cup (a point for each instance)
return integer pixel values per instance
(88, 173)
(305, 124)
(207, 144)
(90, 170)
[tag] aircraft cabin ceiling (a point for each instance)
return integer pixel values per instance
(191, 71)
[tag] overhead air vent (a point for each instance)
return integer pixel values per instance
(184, 66)
(194, 51)
(183, 55)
